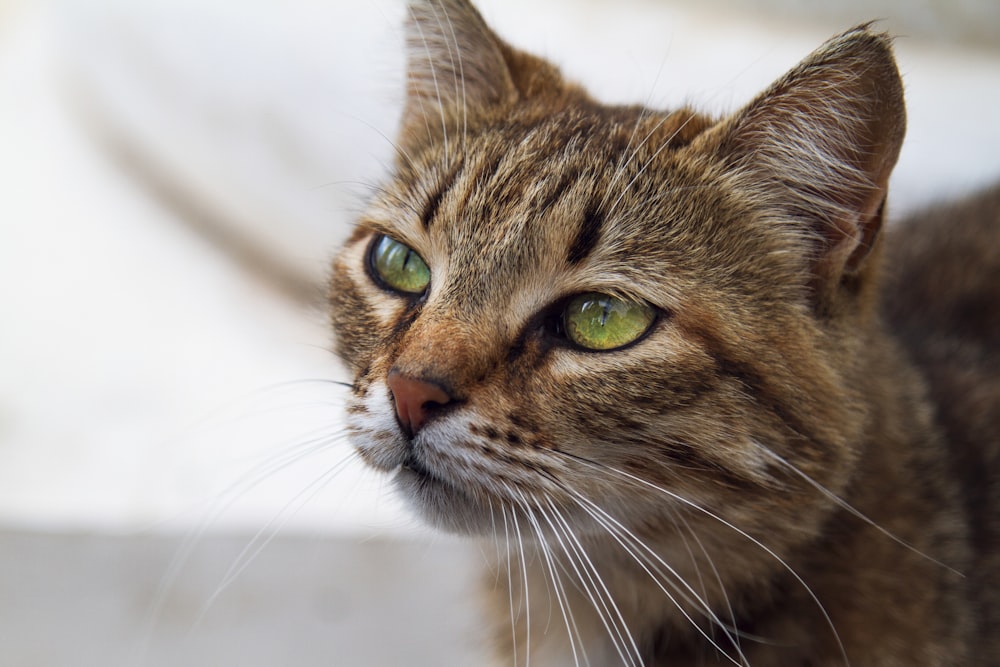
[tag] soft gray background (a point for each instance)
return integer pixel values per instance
(142, 404)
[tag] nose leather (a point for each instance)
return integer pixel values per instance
(415, 399)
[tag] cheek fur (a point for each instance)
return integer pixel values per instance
(374, 430)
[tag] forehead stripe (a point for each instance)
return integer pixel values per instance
(434, 201)
(555, 192)
(587, 236)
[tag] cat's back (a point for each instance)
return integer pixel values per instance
(942, 298)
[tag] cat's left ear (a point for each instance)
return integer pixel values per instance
(458, 70)
(820, 144)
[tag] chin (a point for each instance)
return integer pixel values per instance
(442, 505)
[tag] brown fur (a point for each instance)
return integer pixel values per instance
(762, 476)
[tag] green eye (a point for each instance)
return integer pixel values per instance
(603, 322)
(398, 267)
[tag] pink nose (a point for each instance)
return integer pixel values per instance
(415, 399)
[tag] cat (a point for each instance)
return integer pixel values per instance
(706, 406)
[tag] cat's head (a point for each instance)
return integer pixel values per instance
(585, 309)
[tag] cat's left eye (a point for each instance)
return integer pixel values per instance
(597, 321)
(398, 266)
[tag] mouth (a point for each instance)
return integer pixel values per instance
(436, 500)
(420, 484)
(412, 464)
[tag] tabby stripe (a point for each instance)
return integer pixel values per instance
(687, 460)
(548, 199)
(488, 170)
(747, 375)
(434, 202)
(587, 236)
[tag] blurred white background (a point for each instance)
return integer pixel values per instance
(156, 382)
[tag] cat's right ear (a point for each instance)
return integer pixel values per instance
(458, 70)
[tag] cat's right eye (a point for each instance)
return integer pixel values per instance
(398, 266)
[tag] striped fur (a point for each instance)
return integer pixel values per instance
(760, 479)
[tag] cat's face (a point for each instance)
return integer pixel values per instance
(599, 313)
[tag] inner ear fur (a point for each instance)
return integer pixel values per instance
(820, 144)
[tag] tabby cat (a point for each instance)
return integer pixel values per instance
(650, 355)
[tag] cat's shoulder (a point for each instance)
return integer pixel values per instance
(942, 288)
(942, 298)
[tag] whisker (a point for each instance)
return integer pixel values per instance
(437, 88)
(224, 501)
(737, 634)
(851, 509)
(645, 113)
(670, 494)
(557, 585)
(642, 170)
(510, 583)
(594, 595)
(617, 531)
(267, 533)
(601, 599)
(430, 61)
(273, 464)
(526, 598)
(562, 545)
(627, 161)
(397, 148)
(459, 74)
(687, 547)
(496, 539)
(247, 405)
